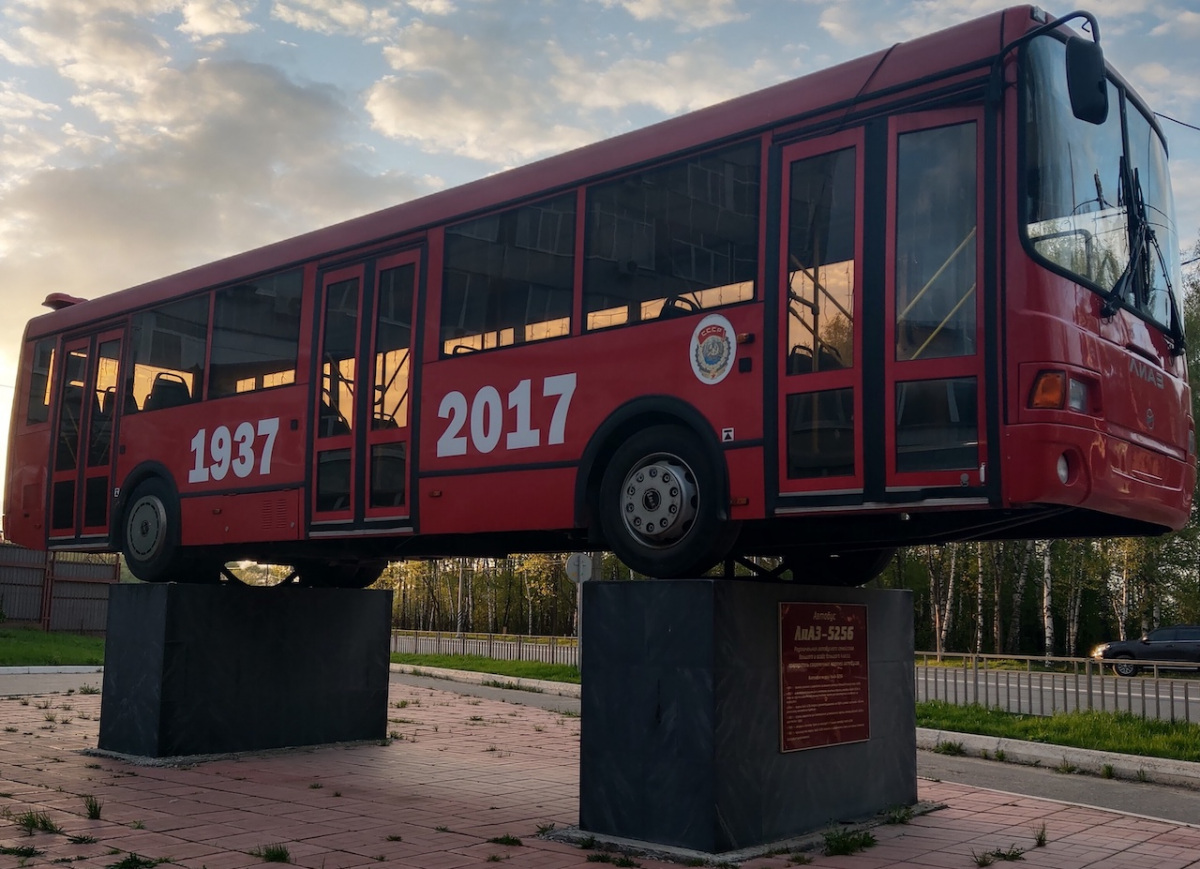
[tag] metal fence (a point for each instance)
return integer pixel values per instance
(1043, 686)
(58, 591)
(506, 647)
(1021, 684)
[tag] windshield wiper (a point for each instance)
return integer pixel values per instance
(1137, 274)
(1139, 230)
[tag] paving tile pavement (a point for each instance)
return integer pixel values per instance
(457, 776)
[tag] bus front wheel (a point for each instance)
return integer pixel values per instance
(150, 538)
(659, 505)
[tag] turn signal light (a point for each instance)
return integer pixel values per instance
(1049, 390)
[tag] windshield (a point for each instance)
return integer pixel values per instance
(1101, 214)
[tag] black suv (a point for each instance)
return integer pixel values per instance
(1164, 645)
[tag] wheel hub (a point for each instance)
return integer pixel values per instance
(658, 500)
(147, 522)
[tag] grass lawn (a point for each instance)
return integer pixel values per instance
(1105, 731)
(33, 647)
(1117, 732)
(480, 664)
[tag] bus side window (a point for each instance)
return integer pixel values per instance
(673, 240)
(40, 378)
(509, 277)
(256, 335)
(168, 353)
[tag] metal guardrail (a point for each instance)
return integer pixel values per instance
(1045, 685)
(1023, 684)
(505, 647)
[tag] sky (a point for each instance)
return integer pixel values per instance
(143, 137)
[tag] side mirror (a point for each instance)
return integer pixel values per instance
(1085, 80)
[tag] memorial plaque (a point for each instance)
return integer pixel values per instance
(823, 685)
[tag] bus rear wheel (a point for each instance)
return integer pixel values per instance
(150, 532)
(660, 507)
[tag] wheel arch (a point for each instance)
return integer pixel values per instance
(133, 479)
(640, 413)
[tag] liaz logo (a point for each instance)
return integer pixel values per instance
(1146, 372)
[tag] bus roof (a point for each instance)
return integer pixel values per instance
(854, 82)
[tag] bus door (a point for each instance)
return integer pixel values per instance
(363, 397)
(933, 383)
(881, 370)
(86, 418)
(821, 370)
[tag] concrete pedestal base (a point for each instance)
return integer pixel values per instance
(200, 669)
(681, 719)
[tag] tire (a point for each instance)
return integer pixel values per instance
(843, 569)
(1124, 666)
(662, 505)
(150, 531)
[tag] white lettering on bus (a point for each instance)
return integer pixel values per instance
(221, 453)
(486, 420)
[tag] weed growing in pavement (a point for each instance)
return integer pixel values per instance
(395, 838)
(316, 786)
(137, 825)
(25, 852)
(272, 853)
(81, 840)
(987, 858)
(37, 822)
(442, 829)
(1066, 767)
(543, 829)
(800, 860)
(1142, 775)
(945, 746)
(1107, 771)
(136, 861)
(506, 839)
(92, 806)
(10, 730)
(840, 842)
(1000, 755)
(898, 815)
(88, 689)
(1039, 838)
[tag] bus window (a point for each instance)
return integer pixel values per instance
(821, 242)
(393, 343)
(509, 277)
(338, 355)
(40, 377)
(71, 411)
(104, 404)
(935, 243)
(256, 335)
(673, 240)
(168, 353)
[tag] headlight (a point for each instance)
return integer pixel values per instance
(1100, 650)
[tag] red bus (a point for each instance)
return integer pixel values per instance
(926, 295)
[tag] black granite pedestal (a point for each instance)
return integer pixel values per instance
(203, 669)
(682, 741)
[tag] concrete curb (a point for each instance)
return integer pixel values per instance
(537, 686)
(34, 671)
(1067, 760)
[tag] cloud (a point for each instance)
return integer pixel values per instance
(228, 155)
(683, 81)
(476, 94)
(330, 17)
(687, 14)
(1180, 23)
(206, 18)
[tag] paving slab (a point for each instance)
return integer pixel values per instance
(459, 779)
